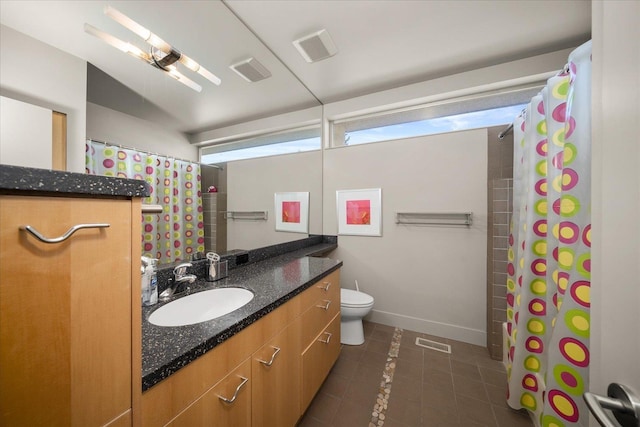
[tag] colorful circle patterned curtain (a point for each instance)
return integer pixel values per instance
(550, 250)
(175, 185)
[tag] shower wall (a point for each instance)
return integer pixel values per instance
(499, 205)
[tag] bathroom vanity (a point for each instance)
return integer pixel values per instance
(268, 358)
(69, 332)
(76, 348)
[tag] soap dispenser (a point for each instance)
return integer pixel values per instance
(149, 281)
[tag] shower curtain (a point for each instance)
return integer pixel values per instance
(549, 250)
(175, 185)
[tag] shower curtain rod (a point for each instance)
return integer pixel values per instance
(509, 128)
(505, 132)
(155, 154)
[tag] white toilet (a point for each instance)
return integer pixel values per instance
(354, 305)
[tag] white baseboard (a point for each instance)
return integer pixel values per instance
(454, 332)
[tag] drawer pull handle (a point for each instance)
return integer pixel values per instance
(273, 357)
(328, 334)
(62, 238)
(326, 306)
(235, 395)
(326, 286)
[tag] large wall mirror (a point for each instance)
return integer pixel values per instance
(243, 213)
(241, 185)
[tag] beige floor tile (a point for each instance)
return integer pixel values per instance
(323, 407)
(464, 389)
(507, 417)
(351, 414)
(468, 370)
(473, 410)
(404, 411)
(464, 386)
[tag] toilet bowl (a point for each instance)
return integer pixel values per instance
(354, 305)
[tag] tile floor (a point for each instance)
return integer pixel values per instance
(429, 388)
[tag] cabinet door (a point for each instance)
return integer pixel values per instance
(227, 404)
(322, 308)
(276, 384)
(318, 359)
(65, 312)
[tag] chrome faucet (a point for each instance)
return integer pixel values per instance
(176, 282)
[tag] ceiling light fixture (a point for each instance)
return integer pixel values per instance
(161, 54)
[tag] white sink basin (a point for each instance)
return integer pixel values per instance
(200, 307)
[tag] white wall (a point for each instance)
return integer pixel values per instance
(34, 72)
(615, 285)
(424, 278)
(104, 124)
(26, 132)
(251, 186)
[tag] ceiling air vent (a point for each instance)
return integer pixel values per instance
(316, 47)
(251, 70)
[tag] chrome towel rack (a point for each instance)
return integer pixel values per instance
(434, 218)
(247, 215)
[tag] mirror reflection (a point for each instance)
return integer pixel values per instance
(250, 185)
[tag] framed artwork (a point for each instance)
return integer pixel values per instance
(360, 212)
(292, 212)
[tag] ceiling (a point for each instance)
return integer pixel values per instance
(381, 45)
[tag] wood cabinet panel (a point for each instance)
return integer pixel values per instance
(326, 288)
(63, 307)
(166, 399)
(318, 359)
(322, 309)
(276, 378)
(210, 409)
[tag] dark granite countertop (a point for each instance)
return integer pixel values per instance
(273, 281)
(22, 180)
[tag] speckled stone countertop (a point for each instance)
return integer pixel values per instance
(273, 281)
(22, 180)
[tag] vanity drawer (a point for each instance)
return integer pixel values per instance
(326, 288)
(318, 359)
(316, 318)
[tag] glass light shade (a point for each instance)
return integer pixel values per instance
(209, 76)
(189, 63)
(106, 37)
(127, 22)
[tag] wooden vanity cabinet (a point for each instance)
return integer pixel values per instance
(278, 357)
(275, 370)
(227, 404)
(321, 334)
(318, 358)
(69, 333)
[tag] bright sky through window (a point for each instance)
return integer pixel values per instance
(474, 120)
(289, 147)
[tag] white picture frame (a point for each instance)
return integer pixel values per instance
(359, 212)
(292, 212)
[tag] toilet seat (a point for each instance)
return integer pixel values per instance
(351, 298)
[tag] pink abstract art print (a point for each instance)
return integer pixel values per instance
(358, 212)
(291, 212)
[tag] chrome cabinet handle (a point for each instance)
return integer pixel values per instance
(328, 334)
(326, 306)
(62, 238)
(273, 357)
(622, 401)
(151, 209)
(326, 286)
(235, 395)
